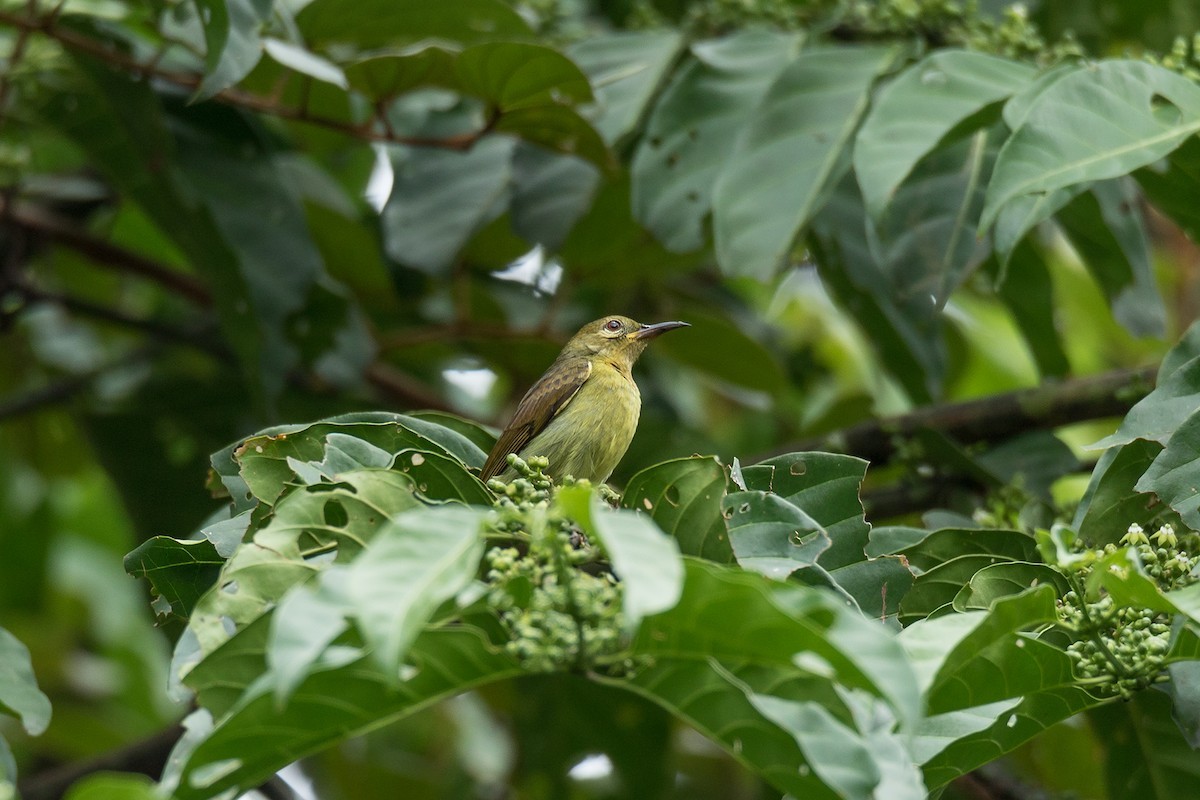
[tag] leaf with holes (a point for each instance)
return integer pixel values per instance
(311, 527)
(683, 496)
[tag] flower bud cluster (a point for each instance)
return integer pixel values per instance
(557, 616)
(1123, 649)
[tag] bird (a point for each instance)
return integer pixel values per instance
(582, 413)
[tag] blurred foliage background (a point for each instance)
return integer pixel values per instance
(222, 215)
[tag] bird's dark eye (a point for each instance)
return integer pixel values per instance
(613, 325)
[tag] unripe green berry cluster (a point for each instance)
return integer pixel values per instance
(1122, 650)
(556, 615)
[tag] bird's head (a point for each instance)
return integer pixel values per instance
(616, 338)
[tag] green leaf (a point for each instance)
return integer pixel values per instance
(310, 527)
(1147, 755)
(231, 32)
(1110, 504)
(385, 76)
(1004, 580)
(645, 559)
(917, 109)
(1028, 292)
(557, 128)
(304, 62)
(771, 535)
(550, 193)
(683, 496)
(513, 75)
(446, 662)
(19, 693)
(1105, 226)
(805, 120)
(901, 323)
(970, 747)
(416, 561)
(625, 69)
(304, 623)
(1174, 476)
(974, 658)
(795, 627)
(1158, 414)
(441, 198)
(691, 131)
(1172, 186)
(1134, 113)
(179, 571)
(263, 458)
(369, 24)
(926, 550)
(479, 435)
(113, 786)
(844, 759)
(936, 588)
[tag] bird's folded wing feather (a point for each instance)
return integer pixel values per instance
(537, 408)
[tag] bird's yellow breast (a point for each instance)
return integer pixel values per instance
(588, 436)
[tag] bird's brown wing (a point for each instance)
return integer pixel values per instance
(539, 405)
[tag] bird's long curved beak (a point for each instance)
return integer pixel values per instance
(657, 329)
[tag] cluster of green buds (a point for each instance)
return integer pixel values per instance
(1184, 57)
(557, 615)
(1122, 649)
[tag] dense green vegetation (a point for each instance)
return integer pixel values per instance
(912, 506)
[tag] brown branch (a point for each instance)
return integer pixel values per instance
(60, 231)
(367, 131)
(994, 418)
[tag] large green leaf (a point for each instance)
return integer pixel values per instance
(1134, 114)
(1147, 755)
(19, 693)
(441, 198)
(371, 24)
(801, 640)
(1110, 504)
(980, 657)
(894, 309)
(550, 193)
(823, 488)
(855, 764)
(645, 559)
(625, 68)
(1028, 292)
(416, 561)
(1105, 226)
(917, 109)
(310, 528)
(691, 132)
(683, 496)
(967, 739)
(113, 786)
(263, 459)
(232, 34)
(344, 695)
(805, 121)
(1157, 415)
(1174, 477)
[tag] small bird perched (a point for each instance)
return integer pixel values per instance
(582, 413)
